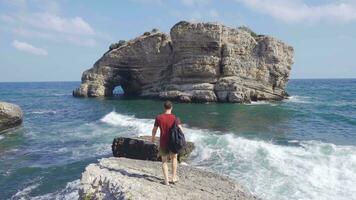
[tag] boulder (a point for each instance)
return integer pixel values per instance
(233, 65)
(10, 116)
(122, 178)
(143, 149)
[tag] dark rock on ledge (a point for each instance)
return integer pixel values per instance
(143, 149)
(10, 116)
(122, 178)
(200, 62)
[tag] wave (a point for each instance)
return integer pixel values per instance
(262, 103)
(24, 193)
(309, 170)
(68, 193)
(43, 112)
(60, 94)
(1, 137)
(298, 99)
(139, 126)
(303, 170)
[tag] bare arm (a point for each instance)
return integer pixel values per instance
(154, 131)
(181, 128)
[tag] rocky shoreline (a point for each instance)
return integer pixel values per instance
(123, 178)
(196, 62)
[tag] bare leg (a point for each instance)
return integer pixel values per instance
(174, 167)
(165, 169)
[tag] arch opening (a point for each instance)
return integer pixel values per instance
(118, 91)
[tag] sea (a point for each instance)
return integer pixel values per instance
(301, 148)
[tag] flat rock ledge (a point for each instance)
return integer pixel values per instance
(10, 116)
(122, 178)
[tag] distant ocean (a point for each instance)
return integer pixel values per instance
(301, 148)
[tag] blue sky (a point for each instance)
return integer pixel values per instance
(42, 40)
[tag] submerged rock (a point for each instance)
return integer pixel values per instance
(122, 178)
(10, 116)
(143, 149)
(200, 62)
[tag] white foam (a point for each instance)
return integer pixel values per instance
(68, 193)
(141, 126)
(260, 103)
(311, 170)
(44, 112)
(24, 193)
(1, 137)
(60, 94)
(298, 99)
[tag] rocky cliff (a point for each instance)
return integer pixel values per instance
(122, 178)
(200, 62)
(10, 116)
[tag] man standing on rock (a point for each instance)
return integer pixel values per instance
(165, 121)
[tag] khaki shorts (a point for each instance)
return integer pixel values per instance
(163, 151)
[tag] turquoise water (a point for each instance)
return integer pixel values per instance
(301, 148)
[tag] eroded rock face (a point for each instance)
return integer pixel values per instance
(122, 178)
(10, 116)
(143, 149)
(200, 62)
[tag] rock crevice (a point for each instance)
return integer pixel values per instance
(200, 62)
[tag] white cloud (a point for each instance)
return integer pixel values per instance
(299, 11)
(43, 20)
(34, 34)
(54, 28)
(192, 3)
(56, 23)
(25, 47)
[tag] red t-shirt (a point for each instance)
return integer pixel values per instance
(165, 123)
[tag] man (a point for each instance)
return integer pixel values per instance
(165, 121)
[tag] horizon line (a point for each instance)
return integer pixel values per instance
(58, 81)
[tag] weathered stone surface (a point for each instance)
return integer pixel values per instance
(10, 116)
(122, 178)
(143, 149)
(200, 62)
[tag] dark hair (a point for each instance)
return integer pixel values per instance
(167, 105)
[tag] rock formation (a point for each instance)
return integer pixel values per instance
(122, 178)
(141, 148)
(10, 116)
(199, 62)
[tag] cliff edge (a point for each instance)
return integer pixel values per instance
(197, 62)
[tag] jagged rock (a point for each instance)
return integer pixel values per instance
(10, 116)
(122, 178)
(200, 62)
(143, 149)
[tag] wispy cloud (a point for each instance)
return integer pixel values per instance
(28, 48)
(300, 11)
(52, 22)
(192, 3)
(43, 19)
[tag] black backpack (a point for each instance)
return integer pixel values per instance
(176, 140)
